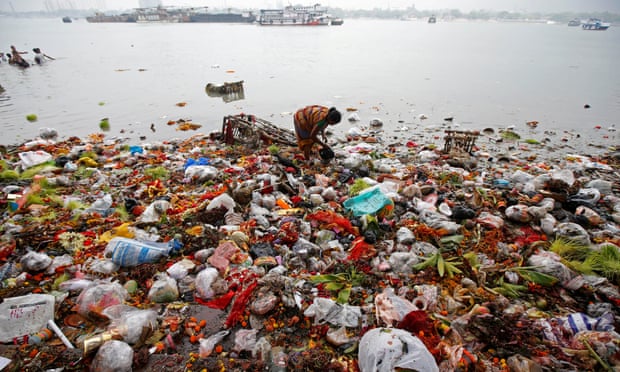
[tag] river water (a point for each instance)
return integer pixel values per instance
(482, 74)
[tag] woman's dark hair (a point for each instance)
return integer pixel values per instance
(333, 115)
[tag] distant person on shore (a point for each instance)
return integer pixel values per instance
(311, 121)
(16, 58)
(40, 57)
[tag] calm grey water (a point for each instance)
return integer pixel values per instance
(482, 74)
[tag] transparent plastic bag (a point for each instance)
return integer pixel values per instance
(164, 289)
(35, 261)
(208, 344)
(113, 356)
(203, 283)
(100, 296)
(245, 339)
(130, 322)
(391, 308)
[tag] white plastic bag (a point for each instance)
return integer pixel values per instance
(326, 310)
(385, 349)
(32, 158)
(24, 315)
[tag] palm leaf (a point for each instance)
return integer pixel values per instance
(451, 267)
(428, 262)
(570, 249)
(531, 275)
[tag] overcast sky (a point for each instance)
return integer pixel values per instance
(463, 5)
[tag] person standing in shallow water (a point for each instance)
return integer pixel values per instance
(16, 58)
(311, 121)
(40, 57)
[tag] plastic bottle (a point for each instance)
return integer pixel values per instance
(130, 252)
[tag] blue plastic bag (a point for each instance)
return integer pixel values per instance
(199, 161)
(370, 202)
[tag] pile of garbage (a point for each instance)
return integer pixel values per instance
(195, 254)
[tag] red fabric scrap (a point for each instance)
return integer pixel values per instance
(221, 302)
(334, 220)
(361, 250)
(239, 305)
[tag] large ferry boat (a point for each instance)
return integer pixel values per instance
(314, 15)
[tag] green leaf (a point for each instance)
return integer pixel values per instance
(452, 240)
(324, 278)
(431, 261)
(334, 286)
(351, 349)
(440, 266)
(510, 290)
(537, 277)
(343, 295)
(451, 267)
(510, 135)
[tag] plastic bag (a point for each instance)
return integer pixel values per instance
(113, 356)
(222, 200)
(326, 310)
(339, 336)
(181, 268)
(207, 344)
(131, 252)
(518, 213)
(405, 236)
(154, 211)
(245, 339)
(130, 321)
(264, 303)
(100, 296)
(200, 173)
(35, 261)
(550, 263)
(32, 158)
(24, 315)
(386, 349)
(574, 232)
(370, 202)
(203, 283)
(391, 308)
(164, 289)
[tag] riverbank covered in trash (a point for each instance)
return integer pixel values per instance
(205, 254)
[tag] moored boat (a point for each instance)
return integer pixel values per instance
(336, 21)
(432, 19)
(574, 22)
(66, 19)
(103, 18)
(595, 24)
(161, 14)
(315, 15)
(229, 17)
